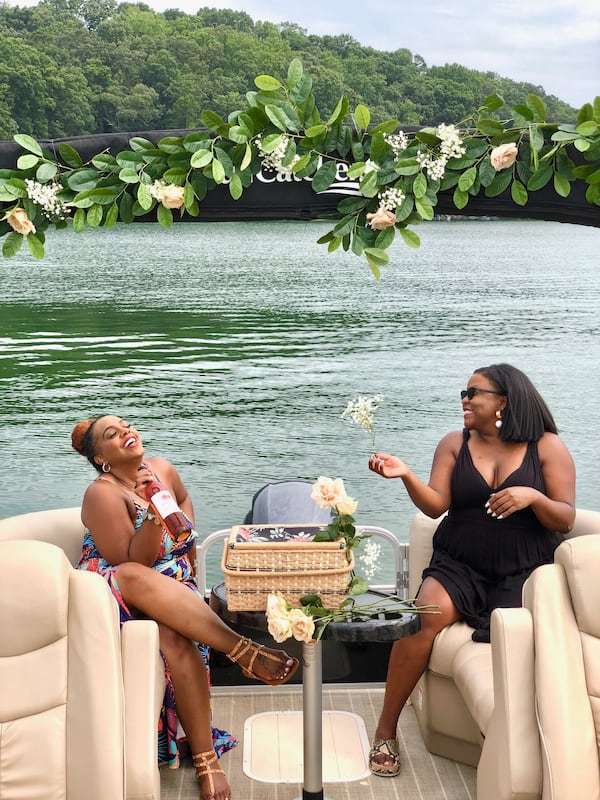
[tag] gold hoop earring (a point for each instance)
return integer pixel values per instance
(105, 466)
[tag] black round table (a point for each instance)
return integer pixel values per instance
(385, 627)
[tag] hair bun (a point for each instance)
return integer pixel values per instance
(78, 435)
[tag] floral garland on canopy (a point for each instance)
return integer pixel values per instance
(399, 174)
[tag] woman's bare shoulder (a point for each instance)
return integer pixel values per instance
(99, 488)
(158, 464)
(451, 441)
(551, 445)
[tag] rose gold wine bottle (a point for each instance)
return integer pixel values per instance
(166, 509)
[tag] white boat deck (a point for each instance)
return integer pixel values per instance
(423, 776)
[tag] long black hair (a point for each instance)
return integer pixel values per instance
(526, 416)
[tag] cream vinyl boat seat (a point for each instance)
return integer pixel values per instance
(477, 703)
(550, 648)
(80, 698)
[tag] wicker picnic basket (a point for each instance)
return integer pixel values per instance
(261, 559)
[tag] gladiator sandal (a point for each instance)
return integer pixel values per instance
(207, 764)
(247, 645)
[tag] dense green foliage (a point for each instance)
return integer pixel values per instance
(72, 67)
(398, 175)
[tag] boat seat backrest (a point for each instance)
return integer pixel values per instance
(287, 502)
(564, 599)
(60, 526)
(61, 712)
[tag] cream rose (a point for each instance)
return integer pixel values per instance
(172, 196)
(347, 505)
(504, 156)
(381, 219)
(326, 493)
(303, 626)
(276, 605)
(280, 628)
(20, 222)
(278, 618)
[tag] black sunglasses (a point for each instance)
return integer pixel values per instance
(472, 391)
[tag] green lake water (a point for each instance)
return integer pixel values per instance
(234, 348)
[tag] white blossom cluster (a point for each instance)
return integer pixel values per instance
(369, 559)
(362, 411)
(157, 189)
(391, 199)
(451, 147)
(45, 196)
(397, 141)
(371, 166)
(274, 159)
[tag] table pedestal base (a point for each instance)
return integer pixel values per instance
(312, 721)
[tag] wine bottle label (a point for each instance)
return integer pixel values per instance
(164, 503)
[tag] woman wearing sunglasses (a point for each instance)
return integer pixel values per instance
(508, 484)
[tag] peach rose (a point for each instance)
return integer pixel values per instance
(504, 156)
(303, 626)
(347, 505)
(326, 493)
(20, 222)
(381, 219)
(172, 196)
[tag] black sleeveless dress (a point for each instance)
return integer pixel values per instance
(482, 561)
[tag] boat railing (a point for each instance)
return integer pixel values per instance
(399, 550)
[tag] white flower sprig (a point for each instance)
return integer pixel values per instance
(362, 412)
(45, 195)
(451, 146)
(369, 559)
(273, 159)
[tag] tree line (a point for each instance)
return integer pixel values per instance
(74, 67)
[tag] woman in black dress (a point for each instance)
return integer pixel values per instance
(508, 484)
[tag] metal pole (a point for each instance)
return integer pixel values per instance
(312, 705)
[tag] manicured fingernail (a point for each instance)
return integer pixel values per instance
(500, 516)
(487, 505)
(489, 511)
(493, 515)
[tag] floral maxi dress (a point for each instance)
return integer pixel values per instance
(173, 561)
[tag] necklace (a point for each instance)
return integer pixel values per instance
(116, 477)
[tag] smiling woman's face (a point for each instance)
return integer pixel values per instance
(480, 408)
(115, 439)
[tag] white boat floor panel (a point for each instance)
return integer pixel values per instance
(273, 750)
(423, 775)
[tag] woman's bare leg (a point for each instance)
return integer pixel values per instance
(171, 603)
(190, 684)
(409, 658)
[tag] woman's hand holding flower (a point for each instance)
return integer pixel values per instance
(387, 466)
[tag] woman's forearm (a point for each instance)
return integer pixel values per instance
(426, 499)
(556, 515)
(145, 543)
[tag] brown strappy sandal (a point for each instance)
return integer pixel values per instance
(247, 645)
(207, 764)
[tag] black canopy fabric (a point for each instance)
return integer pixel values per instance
(276, 198)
